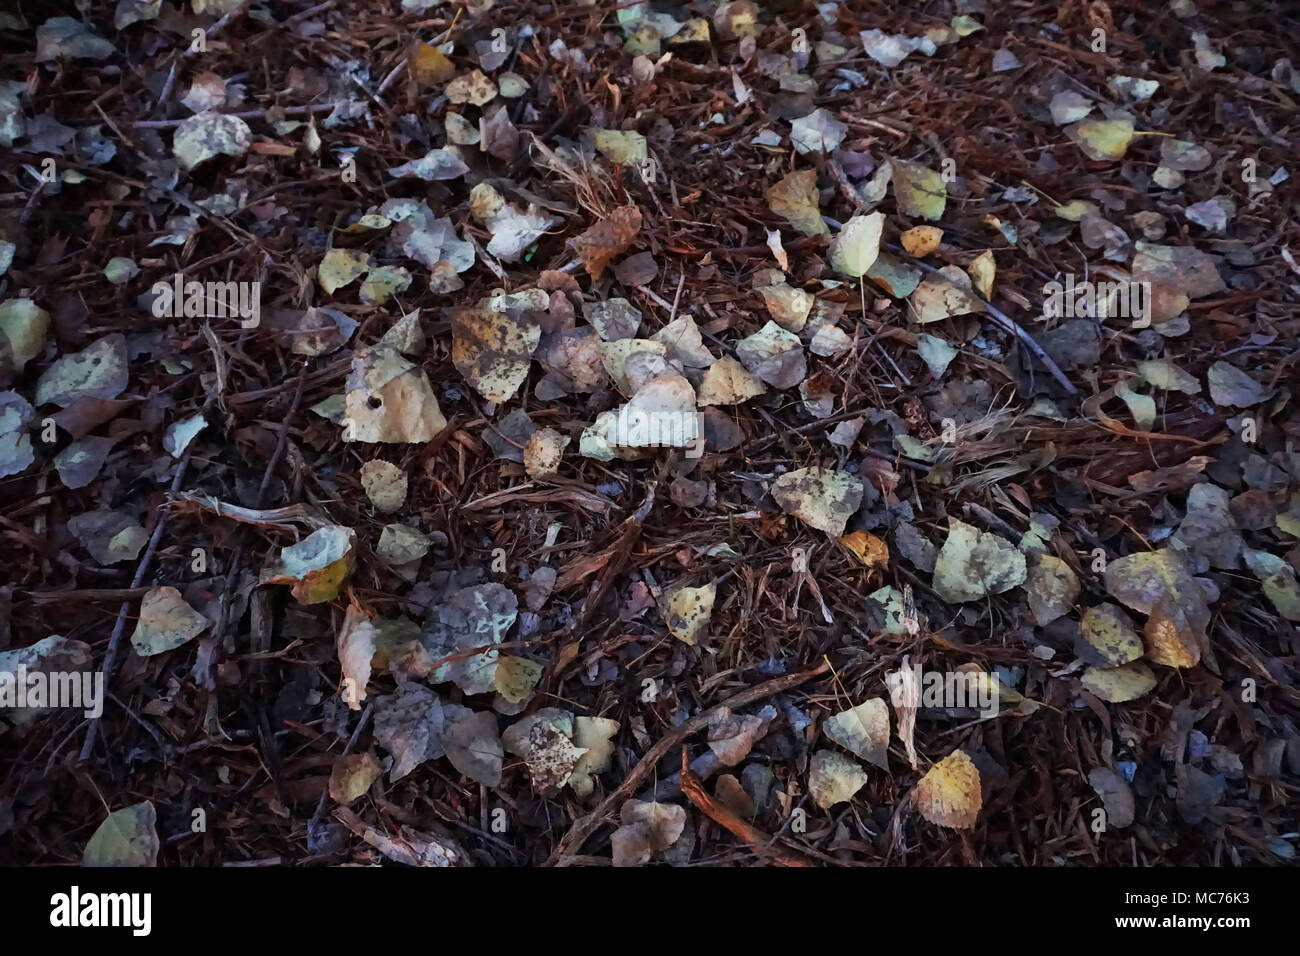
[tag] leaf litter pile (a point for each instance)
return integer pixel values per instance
(689, 433)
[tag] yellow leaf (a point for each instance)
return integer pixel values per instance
(949, 794)
(919, 190)
(516, 677)
(794, 199)
(868, 549)
(1102, 139)
(341, 267)
(1119, 684)
(689, 611)
(429, 66)
(982, 271)
(920, 241)
(1107, 637)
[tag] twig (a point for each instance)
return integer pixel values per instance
(119, 627)
(347, 749)
(758, 841)
(1008, 324)
(584, 826)
(283, 440)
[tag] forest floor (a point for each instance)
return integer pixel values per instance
(441, 423)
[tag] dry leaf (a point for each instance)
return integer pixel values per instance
(689, 610)
(493, 350)
(833, 778)
(727, 382)
(920, 241)
(949, 794)
(166, 622)
(317, 566)
(794, 199)
(608, 238)
(863, 730)
(388, 399)
(1119, 684)
(352, 776)
(356, 649)
(822, 498)
(867, 548)
(384, 484)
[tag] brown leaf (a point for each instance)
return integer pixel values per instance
(608, 238)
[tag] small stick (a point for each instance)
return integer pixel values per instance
(1008, 324)
(584, 826)
(722, 815)
(119, 627)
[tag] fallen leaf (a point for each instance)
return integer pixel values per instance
(210, 134)
(1116, 795)
(474, 747)
(352, 776)
(936, 353)
(794, 199)
(949, 794)
(818, 132)
(727, 382)
(867, 548)
(400, 545)
(732, 736)
(409, 725)
(127, 837)
(1052, 587)
(973, 564)
(57, 659)
(543, 453)
(1184, 268)
(355, 646)
(689, 611)
(595, 735)
(97, 371)
(467, 626)
(1102, 139)
(856, 246)
(823, 498)
(24, 325)
(919, 190)
(384, 484)
(109, 536)
(1117, 685)
(833, 778)
(863, 730)
(516, 677)
(774, 355)
(317, 566)
(436, 165)
(622, 147)
(942, 295)
(473, 88)
(428, 65)
(1107, 637)
(608, 238)
(341, 267)
(165, 622)
(389, 399)
(1229, 385)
